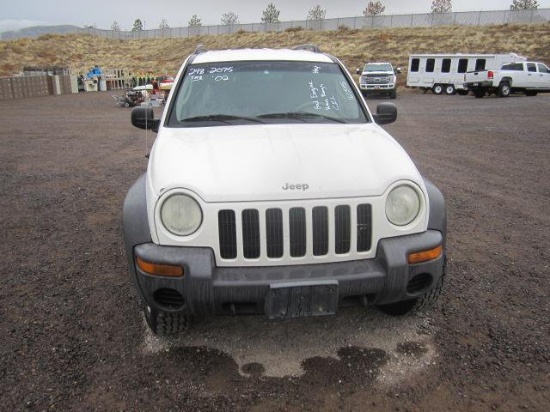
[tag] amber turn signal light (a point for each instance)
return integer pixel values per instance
(159, 269)
(425, 255)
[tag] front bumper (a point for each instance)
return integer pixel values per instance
(365, 86)
(206, 289)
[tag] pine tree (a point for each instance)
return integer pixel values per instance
(230, 19)
(524, 5)
(194, 21)
(270, 14)
(316, 13)
(442, 6)
(138, 25)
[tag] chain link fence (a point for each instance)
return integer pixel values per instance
(472, 18)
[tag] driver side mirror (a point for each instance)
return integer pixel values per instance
(398, 70)
(385, 113)
(357, 71)
(144, 118)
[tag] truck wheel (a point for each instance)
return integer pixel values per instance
(393, 94)
(504, 89)
(165, 323)
(414, 305)
(437, 89)
(450, 89)
(479, 93)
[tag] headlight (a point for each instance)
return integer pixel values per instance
(402, 205)
(181, 215)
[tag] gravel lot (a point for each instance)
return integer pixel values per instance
(72, 337)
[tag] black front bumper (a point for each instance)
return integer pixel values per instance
(286, 291)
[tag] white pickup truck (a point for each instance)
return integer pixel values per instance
(525, 77)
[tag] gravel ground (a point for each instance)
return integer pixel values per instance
(73, 338)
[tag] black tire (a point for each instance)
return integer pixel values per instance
(414, 305)
(437, 89)
(364, 93)
(479, 93)
(504, 89)
(393, 94)
(531, 93)
(166, 323)
(450, 90)
(462, 92)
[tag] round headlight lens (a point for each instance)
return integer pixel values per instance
(402, 205)
(181, 215)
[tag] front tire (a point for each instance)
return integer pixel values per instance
(165, 323)
(504, 89)
(479, 93)
(393, 94)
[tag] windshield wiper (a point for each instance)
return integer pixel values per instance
(299, 116)
(224, 118)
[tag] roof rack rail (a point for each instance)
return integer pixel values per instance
(310, 47)
(199, 49)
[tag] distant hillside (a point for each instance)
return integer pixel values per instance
(37, 31)
(80, 52)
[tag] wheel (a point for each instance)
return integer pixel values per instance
(393, 94)
(462, 92)
(450, 89)
(165, 323)
(504, 89)
(437, 89)
(530, 93)
(364, 93)
(414, 305)
(479, 93)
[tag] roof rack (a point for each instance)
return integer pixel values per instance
(311, 47)
(199, 49)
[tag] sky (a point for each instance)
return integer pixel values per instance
(102, 13)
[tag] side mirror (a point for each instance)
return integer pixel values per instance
(398, 70)
(385, 113)
(144, 118)
(357, 71)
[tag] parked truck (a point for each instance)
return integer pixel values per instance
(444, 73)
(519, 77)
(378, 77)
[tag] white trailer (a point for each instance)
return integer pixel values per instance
(444, 73)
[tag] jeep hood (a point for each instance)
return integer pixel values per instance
(278, 162)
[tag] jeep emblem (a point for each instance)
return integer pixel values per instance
(299, 186)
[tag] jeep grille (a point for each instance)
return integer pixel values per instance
(293, 232)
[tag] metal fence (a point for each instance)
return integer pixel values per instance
(471, 18)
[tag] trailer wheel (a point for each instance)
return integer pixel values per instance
(450, 89)
(504, 89)
(437, 89)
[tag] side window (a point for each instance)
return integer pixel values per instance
(542, 68)
(480, 64)
(430, 65)
(513, 67)
(446, 66)
(531, 67)
(415, 64)
(463, 65)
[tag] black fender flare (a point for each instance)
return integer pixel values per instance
(438, 212)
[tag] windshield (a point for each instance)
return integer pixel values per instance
(243, 92)
(378, 67)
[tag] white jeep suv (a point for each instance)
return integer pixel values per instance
(271, 189)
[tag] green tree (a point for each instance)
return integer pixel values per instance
(230, 19)
(270, 14)
(138, 25)
(194, 21)
(374, 8)
(115, 26)
(442, 6)
(524, 5)
(317, 13)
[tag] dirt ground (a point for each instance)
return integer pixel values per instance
(72, 337)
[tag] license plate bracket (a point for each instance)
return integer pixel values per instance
(300, 299)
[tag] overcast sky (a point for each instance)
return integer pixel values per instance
(102, 13)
